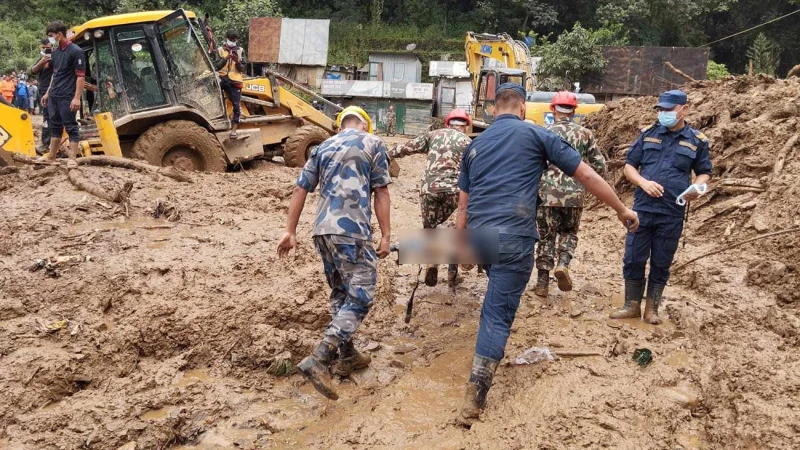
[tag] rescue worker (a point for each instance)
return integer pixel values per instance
(391, 121)
(660, 164)
(63, 97)
(438, 196)
(231, 68)
(7, 88)
(561, 197)
(499, 183)
(348, 167)
(44, 69)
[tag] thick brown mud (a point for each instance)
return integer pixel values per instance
(169, 337)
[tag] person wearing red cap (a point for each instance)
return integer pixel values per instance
(438, 196)
(561, 197)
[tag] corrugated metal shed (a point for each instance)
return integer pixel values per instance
(395, 67)
(641, 70)
(301, 42)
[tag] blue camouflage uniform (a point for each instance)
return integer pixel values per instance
(668, 158)
(501, 170)
(347, 167)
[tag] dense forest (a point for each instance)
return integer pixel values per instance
(438, 26)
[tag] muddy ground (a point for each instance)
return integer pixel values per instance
(167, 334)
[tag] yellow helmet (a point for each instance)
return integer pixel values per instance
(355, 111)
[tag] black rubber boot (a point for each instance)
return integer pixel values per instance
(542, 283)
(480, 380)
(634, 291)
(432, 275)
(652, 302)
(315, 368)
(350, 360)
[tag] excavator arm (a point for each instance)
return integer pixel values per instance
(496, 51)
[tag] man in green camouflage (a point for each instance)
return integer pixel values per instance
(391, 121)
(438, 195)
(561, 197)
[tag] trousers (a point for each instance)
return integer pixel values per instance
(235, 96)
(351, 270)
(558, 228)
(507, 280)
(656, 240)
(62, 118)
(437, 208)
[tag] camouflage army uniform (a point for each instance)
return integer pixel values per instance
(559, 213)
(391, 121)
(439, 191)
(348, 167)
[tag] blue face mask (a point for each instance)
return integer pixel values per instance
(668, 118)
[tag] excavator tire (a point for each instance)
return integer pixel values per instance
(180, 143)
(298, 146)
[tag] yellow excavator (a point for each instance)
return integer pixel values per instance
(157, 97)
(493, 59)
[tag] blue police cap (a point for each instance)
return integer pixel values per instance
(670, 99)
(513, 86)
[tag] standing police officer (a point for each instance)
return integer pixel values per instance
(499, 182)
(660, 164)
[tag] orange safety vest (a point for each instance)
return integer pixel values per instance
(229, 70)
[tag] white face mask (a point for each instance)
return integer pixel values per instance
(52, 40)
(231, 43)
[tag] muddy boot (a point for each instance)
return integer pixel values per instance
(315, 368)
(652, 301)
(432, 275)
(452, 276)
(480, 380)
(562, 274)
(542, 283)
(634, 291)
(350, 360)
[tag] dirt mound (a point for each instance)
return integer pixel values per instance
(93, 302)
(752, 125)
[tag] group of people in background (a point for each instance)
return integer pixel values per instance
(21, 92)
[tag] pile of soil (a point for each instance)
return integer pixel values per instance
(752, 126)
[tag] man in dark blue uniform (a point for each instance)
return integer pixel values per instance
(660, 164)
(499, 183)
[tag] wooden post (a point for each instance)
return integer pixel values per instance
(750, 71)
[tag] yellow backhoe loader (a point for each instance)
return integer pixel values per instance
(493, 59)
(157, 97)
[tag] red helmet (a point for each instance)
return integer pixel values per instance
(564, 98)
(458, 114)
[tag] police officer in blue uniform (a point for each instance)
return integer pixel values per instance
(660, 164)
(499, 187)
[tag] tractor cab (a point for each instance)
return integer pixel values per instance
(488, 81)
(148, 67)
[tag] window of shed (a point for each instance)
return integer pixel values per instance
(399, 72)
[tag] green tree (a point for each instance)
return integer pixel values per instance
(574, 54)
(716, 71)
(764, 55)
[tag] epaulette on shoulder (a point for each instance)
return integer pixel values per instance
(649, 127)
(699, 134)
